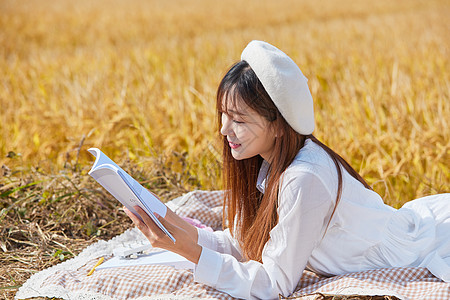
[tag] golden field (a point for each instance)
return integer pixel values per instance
(137, 79)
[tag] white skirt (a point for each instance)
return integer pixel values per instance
(418, 235)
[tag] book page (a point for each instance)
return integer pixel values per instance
(107, 177)
(103, 161)
(126, 189)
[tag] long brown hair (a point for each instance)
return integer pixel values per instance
(250, 214)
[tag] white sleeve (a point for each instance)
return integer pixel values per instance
(220, 241)
(304, 206)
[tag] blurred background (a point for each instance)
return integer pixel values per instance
(137, 79)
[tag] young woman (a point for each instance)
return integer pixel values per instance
(291, 202)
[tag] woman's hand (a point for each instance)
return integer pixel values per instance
(178, 221)
(186, 240)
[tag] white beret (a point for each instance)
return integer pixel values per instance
(284, 82)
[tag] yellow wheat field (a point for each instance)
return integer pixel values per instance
(137, 78)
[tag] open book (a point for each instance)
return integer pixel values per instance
(126, 189)
(153, 256)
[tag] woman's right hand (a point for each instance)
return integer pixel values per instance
(178, 221)
(184, 245)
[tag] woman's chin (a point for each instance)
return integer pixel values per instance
(237, 156)
(240, 156)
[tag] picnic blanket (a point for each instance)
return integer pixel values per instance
(68, 280)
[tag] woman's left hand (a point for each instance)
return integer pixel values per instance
(184, 245)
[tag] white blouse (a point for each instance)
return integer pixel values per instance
(363, 234)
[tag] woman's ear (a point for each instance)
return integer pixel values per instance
(276, 129)
(279, 134)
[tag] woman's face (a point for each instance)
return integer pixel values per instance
(248, 133)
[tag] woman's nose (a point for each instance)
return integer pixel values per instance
(226, 125)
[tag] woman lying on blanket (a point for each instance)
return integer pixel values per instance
(293, 203)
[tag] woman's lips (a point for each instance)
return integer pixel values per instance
(233, 145)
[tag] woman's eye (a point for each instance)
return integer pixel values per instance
(238, 122)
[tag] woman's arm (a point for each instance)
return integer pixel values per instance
(220, 241)
(305, 206)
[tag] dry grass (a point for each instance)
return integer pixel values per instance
(137, 79)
